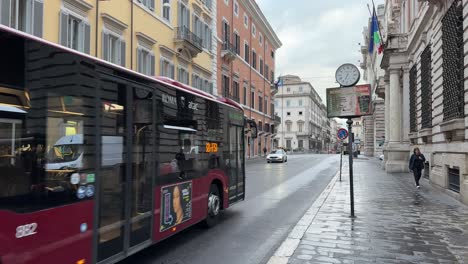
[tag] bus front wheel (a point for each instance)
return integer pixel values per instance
(214, 206)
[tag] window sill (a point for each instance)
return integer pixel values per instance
(452, 125)
(425, 132)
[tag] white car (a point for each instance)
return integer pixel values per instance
(277, 156)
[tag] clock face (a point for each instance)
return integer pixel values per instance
(347, 75)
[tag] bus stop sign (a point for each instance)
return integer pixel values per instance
(342, 134)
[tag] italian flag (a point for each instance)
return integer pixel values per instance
(375, 40)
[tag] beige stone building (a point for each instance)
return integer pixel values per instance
(425, 90)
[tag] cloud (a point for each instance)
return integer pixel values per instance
(317, 37)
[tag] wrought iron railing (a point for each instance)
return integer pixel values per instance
(277, 119)
(412, 99)
(227, 46)
(426, 88)
(184, 33)
(452, 62)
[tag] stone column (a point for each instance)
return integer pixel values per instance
(397, 151)
(387, 119)
(405, 106)
(387, 112)
(395, 107)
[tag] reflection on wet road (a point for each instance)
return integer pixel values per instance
(277, 195)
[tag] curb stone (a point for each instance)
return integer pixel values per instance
(290, 244)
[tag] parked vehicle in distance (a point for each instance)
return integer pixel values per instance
(278, 155)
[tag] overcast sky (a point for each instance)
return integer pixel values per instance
(317, 36)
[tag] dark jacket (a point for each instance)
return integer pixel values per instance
(417, 163)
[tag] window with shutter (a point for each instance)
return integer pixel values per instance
(183, 76)
(63, 28)
(148, 4)
(75, 32)
(139, 60)
(184, 16)
(86, 37)
(260, 104)
(252, 99)
(5, 9)
(122, 53)
(38, 15)
(24, 15)
(162, 69)
(246, 52)
(210, 41)
(254, 59)
(152, 64)
(166, 10)
(105, 46)
(245, 95)
(261, 66)
(206, 38)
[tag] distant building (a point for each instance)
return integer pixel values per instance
(304, 123)
(334, 144)
(246, 49)
(374, 125)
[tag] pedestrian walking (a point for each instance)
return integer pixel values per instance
(416, 165)
(264, 151)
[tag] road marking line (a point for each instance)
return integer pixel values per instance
(291, 243)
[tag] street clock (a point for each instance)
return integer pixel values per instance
(347, 75)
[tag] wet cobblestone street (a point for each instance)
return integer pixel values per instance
(396, 223)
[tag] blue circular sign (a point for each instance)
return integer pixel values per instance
(81, 192)
(342, 134)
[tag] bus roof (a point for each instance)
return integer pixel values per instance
(159, 79)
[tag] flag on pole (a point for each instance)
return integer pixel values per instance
(374, 40)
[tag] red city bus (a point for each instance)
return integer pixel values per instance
(98, 162)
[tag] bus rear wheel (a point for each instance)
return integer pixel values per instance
(214, 206)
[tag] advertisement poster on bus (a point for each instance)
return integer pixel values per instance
(176, 204)
(349, 101)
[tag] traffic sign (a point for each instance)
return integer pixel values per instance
(342, 134)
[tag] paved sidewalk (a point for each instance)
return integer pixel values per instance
(396, 223)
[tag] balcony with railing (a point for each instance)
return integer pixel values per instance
(228, 51)
(226, 94)
(186, 39)
(277, 120)
(274, 88)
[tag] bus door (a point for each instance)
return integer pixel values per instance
(124, 217)
(236, 162)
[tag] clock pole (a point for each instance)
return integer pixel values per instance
(350, 154)
(348, 75)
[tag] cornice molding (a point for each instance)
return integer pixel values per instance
(256, 14)
(80, 4)
(145, 38)
(109, 19)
